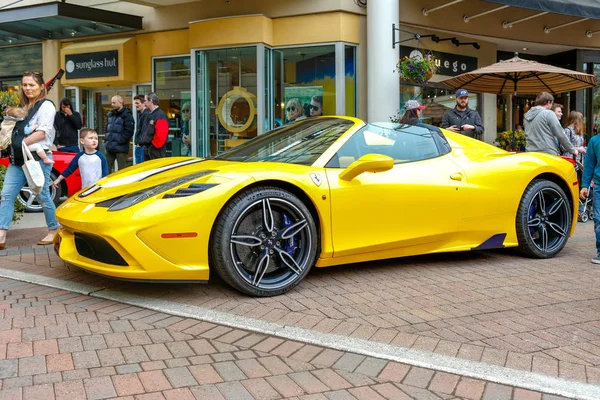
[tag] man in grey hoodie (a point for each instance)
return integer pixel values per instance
(542, 129)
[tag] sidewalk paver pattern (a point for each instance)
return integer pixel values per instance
(494, 307)
(55, 344)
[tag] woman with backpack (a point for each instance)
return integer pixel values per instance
(41, 111)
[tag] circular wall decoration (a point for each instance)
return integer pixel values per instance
(70, 66)
(237, 109)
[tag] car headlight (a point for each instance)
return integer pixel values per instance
(144, 194)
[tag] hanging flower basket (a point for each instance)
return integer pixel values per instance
(417, 69)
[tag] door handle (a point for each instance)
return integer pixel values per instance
(457, 176)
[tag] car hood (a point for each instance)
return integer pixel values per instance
(184, 170)
(181, 172)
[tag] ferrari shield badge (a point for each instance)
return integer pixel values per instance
(316, 178)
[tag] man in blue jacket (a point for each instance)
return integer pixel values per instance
(591, 171)
(462, 119)
(120, 126)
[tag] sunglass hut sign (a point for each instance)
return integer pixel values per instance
(92, 65)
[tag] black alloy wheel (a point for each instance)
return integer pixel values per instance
(264, 242)
(544, 219)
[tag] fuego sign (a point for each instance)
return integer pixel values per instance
(92, 65)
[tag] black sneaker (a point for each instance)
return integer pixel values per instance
(596, 260)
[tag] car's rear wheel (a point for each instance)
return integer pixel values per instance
(31, 202)
(543, 219)
(264, 242)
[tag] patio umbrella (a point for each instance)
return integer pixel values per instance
(521, 76)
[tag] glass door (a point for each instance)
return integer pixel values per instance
(203, 106)
(226, 98)
(101, 100)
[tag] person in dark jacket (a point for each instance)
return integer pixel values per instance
(155, 130)
(142, 113)
(119, 131)
(67, 123)
(462, 119)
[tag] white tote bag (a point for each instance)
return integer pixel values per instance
(33, 171)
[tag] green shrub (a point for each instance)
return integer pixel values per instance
(8, 99)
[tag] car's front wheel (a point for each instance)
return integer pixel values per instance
(264, 242)
(544, 219)
(31, 202)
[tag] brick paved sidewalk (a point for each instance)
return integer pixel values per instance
(58, 344)
(496, 308)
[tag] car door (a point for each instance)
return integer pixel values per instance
(417, 202)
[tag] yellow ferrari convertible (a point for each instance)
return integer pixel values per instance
(321, 191)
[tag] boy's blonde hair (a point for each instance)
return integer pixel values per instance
(84, 132)
(16, 112)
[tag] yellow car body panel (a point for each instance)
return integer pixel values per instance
(453, 202)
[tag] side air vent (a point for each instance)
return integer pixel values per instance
(194, 188)
(108, 203)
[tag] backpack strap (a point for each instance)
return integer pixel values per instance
(35, 109)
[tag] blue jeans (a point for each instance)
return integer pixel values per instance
(139, 154)
(596, 205)
(14, 180)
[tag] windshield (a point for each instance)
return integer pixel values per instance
(301, 142)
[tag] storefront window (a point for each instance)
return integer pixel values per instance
(172, 84)
(16, 60)
(298, 82)
(303, 77)
(227, 98)
(268, 68)
(436, 97)
(85, 99)
(71, 94)
(10, 84)
(350, 81)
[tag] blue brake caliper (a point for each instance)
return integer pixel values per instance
(290, 246)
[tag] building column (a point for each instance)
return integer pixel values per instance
(383, 92)
(51, 64)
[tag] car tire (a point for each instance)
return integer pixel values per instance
(31, 203)
(544, 219)
(264, 242)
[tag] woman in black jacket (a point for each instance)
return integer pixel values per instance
(67, 123)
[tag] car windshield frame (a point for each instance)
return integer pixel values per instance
(301, 142)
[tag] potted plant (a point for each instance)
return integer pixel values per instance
(417, 69)
(511, 140)
(10, 99)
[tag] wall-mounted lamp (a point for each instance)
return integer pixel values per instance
(416, 36)
(453, 39)
(591, 33)
(435, 38)
(475, 44)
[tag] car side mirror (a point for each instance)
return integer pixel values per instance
(367, 163)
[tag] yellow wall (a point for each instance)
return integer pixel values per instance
(224, 32)
(159, 44)
(298, 30)
(316, 28)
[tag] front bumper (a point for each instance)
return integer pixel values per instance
(130, 244)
